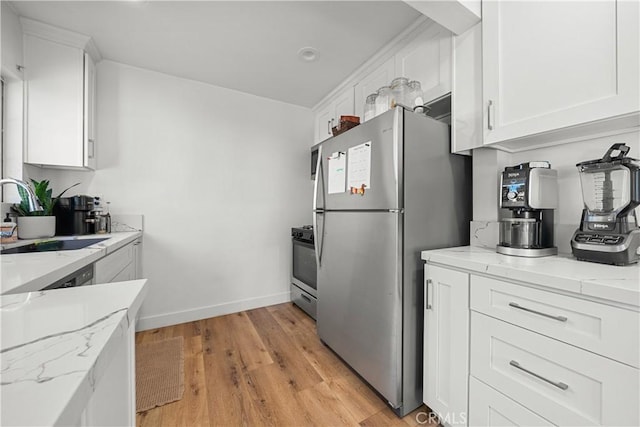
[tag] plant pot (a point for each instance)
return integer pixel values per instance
(36, 227)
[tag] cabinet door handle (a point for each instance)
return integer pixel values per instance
(560, 385)
(427, 300)
(91, 148)
(490, 115)
(329, 127)
(539, 313)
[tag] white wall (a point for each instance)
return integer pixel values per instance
(220, 177)
(488, 163)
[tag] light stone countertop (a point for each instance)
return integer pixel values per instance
(56, 346)
(34, 271)
(562, 272)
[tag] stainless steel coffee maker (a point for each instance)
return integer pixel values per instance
(530, 192)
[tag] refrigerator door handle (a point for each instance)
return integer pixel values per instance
(317, 241)
(316, 182)
(318, 237)
(316, 249)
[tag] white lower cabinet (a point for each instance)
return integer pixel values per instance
(585, 324)
(501, 353)
(113, 402)
(565, 384)
(487, 407)
(446, 343)
(119, 266)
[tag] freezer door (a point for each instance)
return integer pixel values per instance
(359, 296)
(384, 135)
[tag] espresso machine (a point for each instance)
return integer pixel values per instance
(609, 231)
(530, 192)
(74, 215)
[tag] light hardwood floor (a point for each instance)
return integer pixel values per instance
(266, 367)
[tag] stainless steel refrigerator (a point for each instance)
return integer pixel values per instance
(384, 191)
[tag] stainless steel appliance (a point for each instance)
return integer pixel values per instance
(530, 192)
(303, 270)
(82, 277)
(609, 231)
(385, 191)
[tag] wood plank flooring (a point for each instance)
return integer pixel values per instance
(266, 367)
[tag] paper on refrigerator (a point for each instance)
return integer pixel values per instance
(359, 166)
(337, 172)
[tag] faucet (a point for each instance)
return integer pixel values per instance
(34, 204)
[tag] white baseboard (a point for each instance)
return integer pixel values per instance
(177, 317)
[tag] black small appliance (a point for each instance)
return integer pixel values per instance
(609, 231)
(74, 216)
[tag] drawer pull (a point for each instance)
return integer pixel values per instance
(560, 385)
(550, 316)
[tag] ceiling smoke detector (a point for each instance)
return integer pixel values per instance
(308, 54)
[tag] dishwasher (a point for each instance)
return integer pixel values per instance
(81, 277)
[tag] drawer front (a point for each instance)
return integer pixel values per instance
(303, 300)
(610, 331)
(562, 383)
(107, 268)
(487, 407)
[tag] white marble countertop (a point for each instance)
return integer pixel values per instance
(563, 272)
(34, 271)
(56, 345)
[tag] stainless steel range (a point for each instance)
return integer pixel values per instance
(304, 270)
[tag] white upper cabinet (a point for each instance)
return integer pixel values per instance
(427, 58)
(89, 134)
(379, 77)
(466, 91)
(549, 66)
(329, 116)
(59, 98)
(423, 54)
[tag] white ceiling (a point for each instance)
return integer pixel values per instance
(247, 46)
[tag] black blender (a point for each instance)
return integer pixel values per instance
(609, 231)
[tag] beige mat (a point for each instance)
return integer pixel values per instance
(159, 373)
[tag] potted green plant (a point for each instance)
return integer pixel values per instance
(37, 224)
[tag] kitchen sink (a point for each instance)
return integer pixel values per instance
(53, 245)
